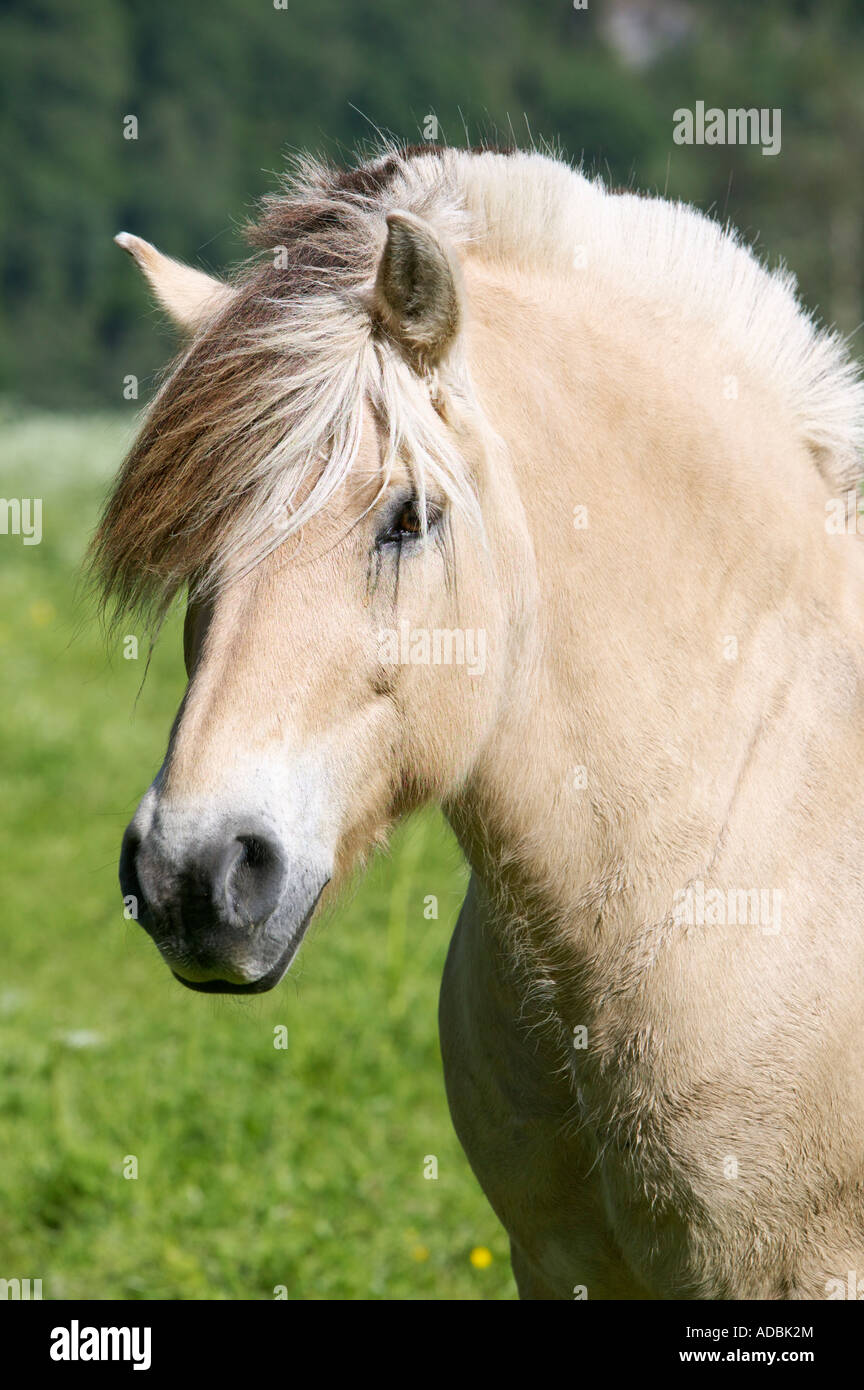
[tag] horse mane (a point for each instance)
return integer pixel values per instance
(257, 422)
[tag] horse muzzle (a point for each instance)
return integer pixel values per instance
(227, 912)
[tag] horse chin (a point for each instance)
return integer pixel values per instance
(259, 986)
(215, 984)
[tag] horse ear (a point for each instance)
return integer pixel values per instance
(417, 290)
(188, 296)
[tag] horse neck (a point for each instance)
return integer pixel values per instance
(679, 547)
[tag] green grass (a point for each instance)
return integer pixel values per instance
(258, 1167)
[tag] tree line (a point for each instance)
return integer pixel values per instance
(219, 93)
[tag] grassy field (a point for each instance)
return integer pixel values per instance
(258, 1167)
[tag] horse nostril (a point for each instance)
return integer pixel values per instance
(130, 883)
(253, 872)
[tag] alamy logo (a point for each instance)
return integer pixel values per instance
(21, 1289)
(732, 907)
(76, 1343)
(844, 516)
(851, 1287)
(21, 516)
(439, 646)
(738, 126)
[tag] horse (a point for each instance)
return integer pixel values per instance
(477, 392)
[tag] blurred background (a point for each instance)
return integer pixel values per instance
(222, 90)
(302, 1167)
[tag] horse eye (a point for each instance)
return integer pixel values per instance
(407, 523)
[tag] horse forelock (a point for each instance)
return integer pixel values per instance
(258, 420)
